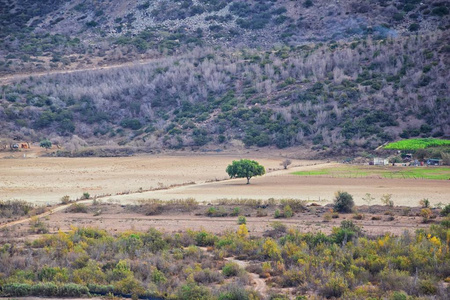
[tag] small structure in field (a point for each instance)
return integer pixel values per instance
(17, 146)
(408, 157)
(415, 163)
(378, 161)
(434, 162)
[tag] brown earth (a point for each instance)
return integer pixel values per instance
(44, 180)
(124, 181)
(278, 185)
(117, 218)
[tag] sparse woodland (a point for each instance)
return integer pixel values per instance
(333, 95)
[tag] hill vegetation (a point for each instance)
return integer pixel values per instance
(61, 34)
(334, 77)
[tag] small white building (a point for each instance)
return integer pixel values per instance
(378, 161)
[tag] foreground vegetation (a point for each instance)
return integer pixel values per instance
(352, 171)
(345, 264)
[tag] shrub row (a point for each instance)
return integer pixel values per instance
(47, 289)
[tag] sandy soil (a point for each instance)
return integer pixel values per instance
(282, 184)
(45, 180)
(117, 218)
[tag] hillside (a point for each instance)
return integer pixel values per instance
(65, 34)
(334, 76)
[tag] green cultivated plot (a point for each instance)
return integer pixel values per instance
(440, 173)
(414, 144)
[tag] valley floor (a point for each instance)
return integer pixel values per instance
(45, 180)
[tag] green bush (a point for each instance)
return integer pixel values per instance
(235, 212)
(308, 3)
(343, 202)
(414, 27)
(446, 223)
(345, 232)
(192, 291)
(72, 290)
(287, 211)
(133, 124)
(334, 288)
(292, 278)
(100, 289)
(48, 289)
(440, 11)
(235, 292)
(77, 208)
(427, 287)
(398, 296)
(216, 212)
(296, 204)
(65, 199)
(16, 290)
(242, 220)
(277, 214)
(230, 269)
(203, 239)
(446, 210)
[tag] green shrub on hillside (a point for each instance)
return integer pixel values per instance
(343, 202)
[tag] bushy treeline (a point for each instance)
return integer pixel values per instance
(332, 95)
(345, 264)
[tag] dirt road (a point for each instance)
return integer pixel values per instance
(258, 283)
(8, 79)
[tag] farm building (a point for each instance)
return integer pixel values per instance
(17, 146)
(378, 161)
(434, 162)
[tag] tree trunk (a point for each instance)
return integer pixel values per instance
(248, 180)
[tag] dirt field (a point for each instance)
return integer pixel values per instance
(279, 185)
(117, 218)
(46, 180)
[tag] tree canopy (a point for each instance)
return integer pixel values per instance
(245, 168)
(45, 144)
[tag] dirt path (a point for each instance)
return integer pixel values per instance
(18, 76)
(258, 283)
(47, 213)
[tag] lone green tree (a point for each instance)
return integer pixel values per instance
(45, 144)
(245, 168)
